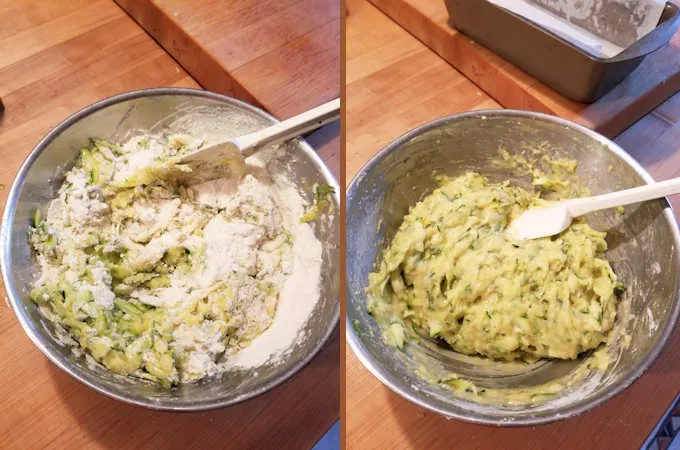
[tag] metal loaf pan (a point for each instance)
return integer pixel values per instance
(557, 63)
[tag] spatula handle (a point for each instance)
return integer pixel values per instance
(581, 206)
(290, 128)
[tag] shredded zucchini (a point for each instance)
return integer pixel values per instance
(128, 264)
(452, 271)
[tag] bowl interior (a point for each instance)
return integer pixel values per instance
(169, 111)
(642, 242)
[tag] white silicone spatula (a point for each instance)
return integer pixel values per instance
(553, 219)
(243, 146)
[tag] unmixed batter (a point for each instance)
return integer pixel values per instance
(161, 280)
(453, 273)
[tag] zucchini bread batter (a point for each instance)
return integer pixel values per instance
(161, 280)
(452, 272)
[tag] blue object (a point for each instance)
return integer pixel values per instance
(667, 433)
(330, 440)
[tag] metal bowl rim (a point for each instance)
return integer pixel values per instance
(13, 296)
(485, 419)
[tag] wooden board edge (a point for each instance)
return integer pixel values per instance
(201, 66)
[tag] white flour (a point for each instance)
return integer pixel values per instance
(228, 264)
(300, 292)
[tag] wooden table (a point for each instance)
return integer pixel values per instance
(389, 82)
(281, 54)
(390, 77)
(57, 57)
(655, 80)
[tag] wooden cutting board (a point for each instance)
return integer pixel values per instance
(282, 54)
(389, 82)
(390, 76)
(657, 78)
(55, 58)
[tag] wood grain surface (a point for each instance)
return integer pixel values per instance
(657, 78)
(283, 54)
(55, 58)
(390, 77)
(390, 80)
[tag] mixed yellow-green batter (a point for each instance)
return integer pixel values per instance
(453, 272)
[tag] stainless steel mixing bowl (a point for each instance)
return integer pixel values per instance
(643, 250)
(170, 110)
